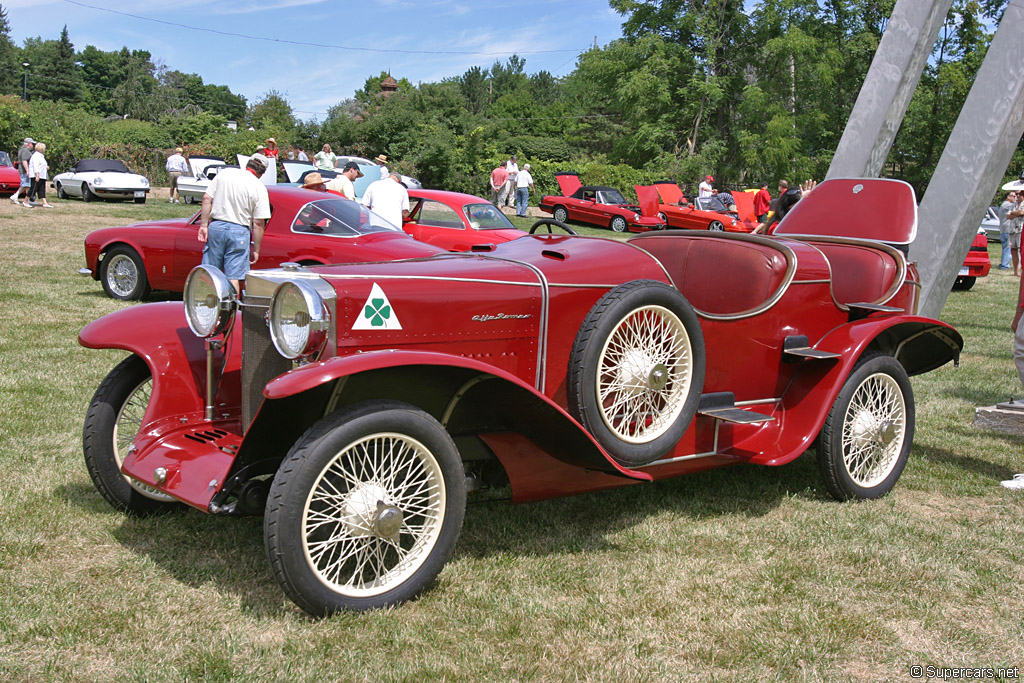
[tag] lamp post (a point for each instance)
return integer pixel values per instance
(24, 91)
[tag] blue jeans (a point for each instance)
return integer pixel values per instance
(227, 248)
(522, 199)
(1004, 260)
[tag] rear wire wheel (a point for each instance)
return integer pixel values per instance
(636, 370)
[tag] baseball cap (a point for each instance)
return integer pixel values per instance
(709, 178)
(178, 149)
(28, 141)
(351, 165)
(261, 159)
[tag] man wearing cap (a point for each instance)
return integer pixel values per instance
(382, 163)
(388, 198)
(705, 189)
(343, 182)
(236, 207)
(24, 154)
(176, 167)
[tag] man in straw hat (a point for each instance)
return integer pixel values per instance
(176, 167)
(381, 161)
(314, 181)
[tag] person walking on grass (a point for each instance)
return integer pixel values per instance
(24, 154)
(176, 167)
(38, 171)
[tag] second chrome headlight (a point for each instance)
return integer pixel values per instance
(299, 320)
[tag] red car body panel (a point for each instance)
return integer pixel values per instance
(453, 230)
(977, 263)
(170, 249)
(596, 205)
(10, 179)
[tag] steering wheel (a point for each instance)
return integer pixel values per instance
(549, 222)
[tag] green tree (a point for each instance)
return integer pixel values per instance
(271, 111)
(11, 72)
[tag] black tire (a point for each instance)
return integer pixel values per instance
(189, 199)
(866, 439)
(560, 214)
(61, 194)
(663, 218)
(140, 200)
(111, 423)
(332, 476)
(618, 224)
(551, 222)
(665, 370)
(124, 275)
(87, 195)
(962, 284)
(716, 226)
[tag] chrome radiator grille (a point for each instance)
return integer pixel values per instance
(260, 360)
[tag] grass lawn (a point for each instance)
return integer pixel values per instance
(745, 573)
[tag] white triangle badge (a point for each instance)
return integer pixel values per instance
(377, 313)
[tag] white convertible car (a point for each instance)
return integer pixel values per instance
(93, 179)
(192, 188)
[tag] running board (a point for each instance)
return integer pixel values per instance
(796, 347)
(863, 310)
(721, 405)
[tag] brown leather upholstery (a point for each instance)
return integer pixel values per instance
(719, 276)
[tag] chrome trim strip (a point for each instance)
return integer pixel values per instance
(681, 458)
(758, 402)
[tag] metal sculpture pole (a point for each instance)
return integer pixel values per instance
(973, 162)
(890, 83)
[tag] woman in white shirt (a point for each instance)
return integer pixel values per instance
(37, 172)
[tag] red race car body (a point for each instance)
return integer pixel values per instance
(707, 213)
(357, 406)
(596, 205)
(305, 227)
(977, 263)
(457, 221)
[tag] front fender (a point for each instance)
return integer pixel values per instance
(919, 344)
(467, 395)
(159, 335)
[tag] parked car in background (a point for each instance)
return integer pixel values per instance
(977, 263)
(990, 224)
(93, 179)
(703, 213)
(358, 407)
(296, 171)
(596, 205)
(457, 221)
(305, 227)
(10, 179)
(192, 188)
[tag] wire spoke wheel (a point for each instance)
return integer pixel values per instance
(126, 428)
(122, 275)
(645, 373)
(374, 514)
(874, 430)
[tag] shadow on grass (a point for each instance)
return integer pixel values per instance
(966, 463)
(155, 296)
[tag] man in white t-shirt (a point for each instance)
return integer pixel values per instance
(705, 189)
(343, 182)
(236, 207)
(524, 184)
(510, 186)
(388, 198)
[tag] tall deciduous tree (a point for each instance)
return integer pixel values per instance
(11, 72)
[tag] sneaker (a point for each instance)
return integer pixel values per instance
(15, 200)
(1017, 483)
(170, 201)
(1002, 267)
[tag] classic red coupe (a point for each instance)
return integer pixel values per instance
(357, 407)
(597, 205)
(305, 227)
(456, 221)
(677, 211)
(977, 263)
(10, 179)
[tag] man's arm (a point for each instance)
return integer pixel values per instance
(258, 225)
(204, 217)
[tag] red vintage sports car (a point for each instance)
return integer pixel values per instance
(977, 263)
(602, 206)
(305, 227)
(707, 213)
(10, 179)
(356, 407)
(456, 221)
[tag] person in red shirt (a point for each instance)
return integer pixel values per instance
(271, 150)
(499, 176)
(762, 200)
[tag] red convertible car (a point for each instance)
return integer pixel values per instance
(602, 206)
(10, 179)
(357, 407)
(305, 227)
(677, 211)
(456, 221)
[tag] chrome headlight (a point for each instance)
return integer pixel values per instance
(97, 181)
(209, 301)
(145, 182)
(636, 216)
(299, 320)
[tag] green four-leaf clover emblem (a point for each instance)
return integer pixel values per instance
(377, 312)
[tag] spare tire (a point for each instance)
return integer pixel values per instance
(636, 370)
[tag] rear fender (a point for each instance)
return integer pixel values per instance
(919, 344)
(176, 357)
(467, 396)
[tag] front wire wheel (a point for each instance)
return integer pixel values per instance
(366, 509)
(867, 435)
(112, 422)
(618, 224)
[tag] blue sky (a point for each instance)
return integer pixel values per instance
(407, 37)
